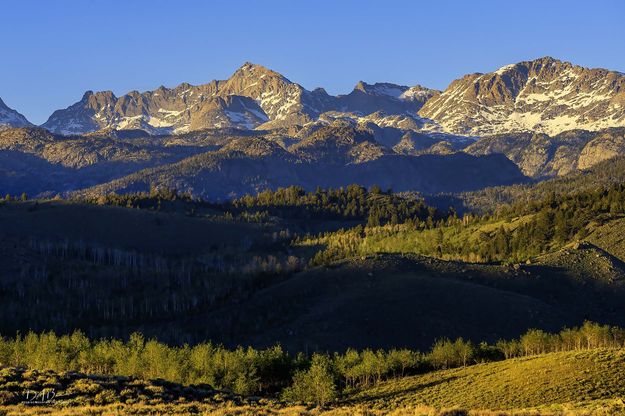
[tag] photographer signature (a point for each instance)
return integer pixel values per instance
(45, 396)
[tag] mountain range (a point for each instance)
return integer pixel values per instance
(256, 130)
(253, 97)
(544, 96)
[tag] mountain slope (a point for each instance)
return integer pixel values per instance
(545, 96)
(600, 176)
(554, 382)
(539, 155)
(11, 118)
(161, 267)
(219, 163)
(330, 157)
(36, 161)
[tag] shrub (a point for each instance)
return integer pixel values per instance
(106, 397)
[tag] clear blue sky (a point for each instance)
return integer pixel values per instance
(52, 51)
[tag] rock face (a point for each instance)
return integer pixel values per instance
(540, 156)
(11, 118)
(602, 147)
(162, 111)
(542, 96)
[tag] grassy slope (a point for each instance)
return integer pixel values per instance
(357, 303)
(178, 258)
(549, 379)
(610, 237)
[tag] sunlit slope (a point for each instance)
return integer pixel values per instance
(611, 237)
(544, 380)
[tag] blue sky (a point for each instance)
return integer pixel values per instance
(52, 51)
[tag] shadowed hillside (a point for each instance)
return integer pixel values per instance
(369, 302)
(187, 271)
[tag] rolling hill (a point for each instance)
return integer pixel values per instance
(195, 272)
(369, 302)
(553, 383)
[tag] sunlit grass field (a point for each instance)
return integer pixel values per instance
(552, 380)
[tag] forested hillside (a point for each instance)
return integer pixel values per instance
(266, 268)
(514, 233)
(334, 276)
(602, 175)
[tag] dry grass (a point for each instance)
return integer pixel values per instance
(594, 408)
(546, 380)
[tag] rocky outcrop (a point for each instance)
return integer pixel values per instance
(539, 155)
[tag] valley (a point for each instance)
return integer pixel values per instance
(249, 246)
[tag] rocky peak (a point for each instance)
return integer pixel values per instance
(366, 99)
(251, 77)
(99, 99)
(284, 102)
(249, 69)
(11, 118)
(320, 91)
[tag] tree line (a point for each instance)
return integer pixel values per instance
(158, 198)
(318, 378)
(373, 206)
(354, 202)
